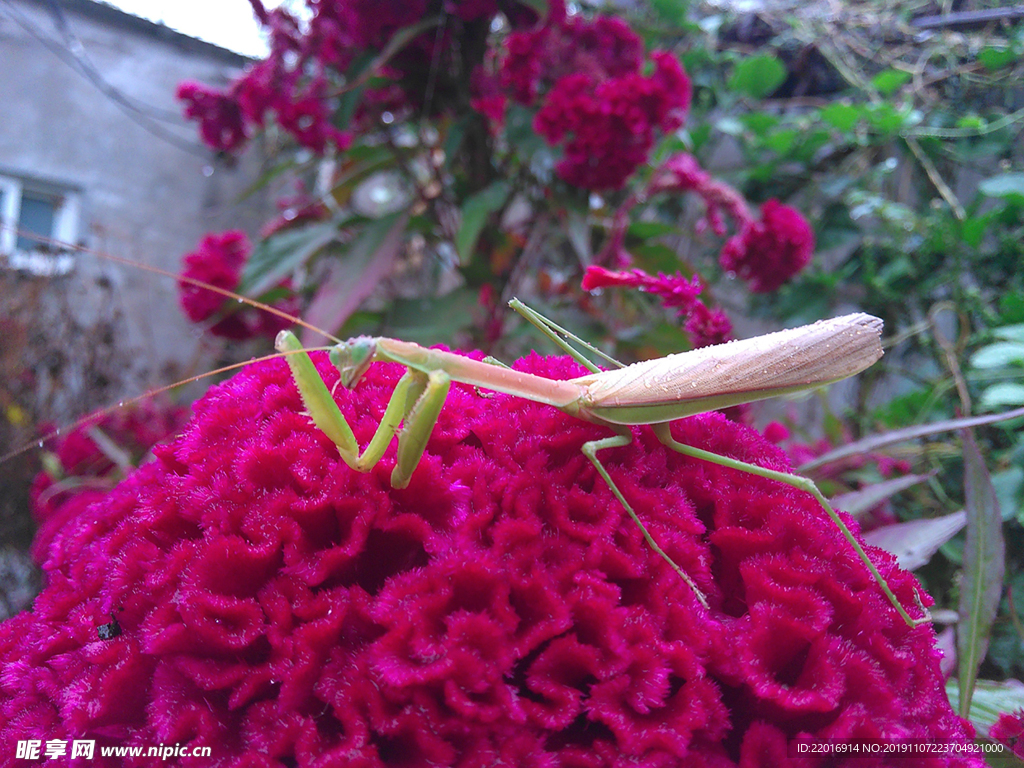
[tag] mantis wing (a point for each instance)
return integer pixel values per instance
(743, 371)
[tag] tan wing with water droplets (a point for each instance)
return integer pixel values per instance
(736, 372)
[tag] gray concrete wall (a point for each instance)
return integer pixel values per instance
(144, 197)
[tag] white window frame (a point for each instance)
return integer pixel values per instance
(66, 214)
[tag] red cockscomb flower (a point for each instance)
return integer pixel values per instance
(1009, 730)
(282, 609)
(219, 261)
(705, 326)
(767, 253)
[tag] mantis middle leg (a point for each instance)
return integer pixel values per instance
(624, 438)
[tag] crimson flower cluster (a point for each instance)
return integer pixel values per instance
(301, 81)
(767, 253)
(586, 79)
(705, 326)
(1009, 730)
(502, 610)
(219, 261)
(81, 472)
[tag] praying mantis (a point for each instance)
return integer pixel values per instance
(653, 393)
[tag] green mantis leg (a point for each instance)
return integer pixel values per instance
(417, 401)
(618, 441)
(801, 484)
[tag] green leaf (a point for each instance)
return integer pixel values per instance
(656, 257)
(984, 566)
(782, 141)
(990, 700)
(759, 122)
(277, 256)
(351, 278)
(434, 319)
(973, 230)
(842, 116)
(1000, 396)
(858, 503)
(885, 118)
(914, 542)
(1013, 332)
(972, 122)
(997, 58)
(757, 76)
(671, 11)
(475, 211)
(1007, 185)
(890, 81)
(647, 230)
(1011, 307)
(998, 355)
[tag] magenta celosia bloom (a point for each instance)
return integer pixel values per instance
(219, 261)
(81, 472)
(309, 62)
(595, 102)
(704, 326)
(219, 115)
(1009, 730)
(606, 127)
(502, 610)
(767, 253)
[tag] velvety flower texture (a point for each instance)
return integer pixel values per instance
(502, 610)
(767, 253)
(219, 261)
(586, 78)
(1009, 731)
(80, 471)
(300, 80)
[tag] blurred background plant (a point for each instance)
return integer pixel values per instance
(648, 179)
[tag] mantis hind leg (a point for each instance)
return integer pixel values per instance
(801, 484)
(624, 438)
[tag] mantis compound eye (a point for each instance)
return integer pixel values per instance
(352, 358)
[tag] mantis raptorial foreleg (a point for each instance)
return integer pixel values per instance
(416, 401)
(653, 392)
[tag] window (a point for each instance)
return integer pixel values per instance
(32, 215)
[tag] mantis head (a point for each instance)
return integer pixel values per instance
(352, 358)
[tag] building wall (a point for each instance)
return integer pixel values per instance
(143, 197)
(103, 332)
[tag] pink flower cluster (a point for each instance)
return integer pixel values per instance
(587, 79)
(767, 253)
(705, 326)
(301, 80)
(502, 610)
(219, 261)
(82, 472)
(1009, 730)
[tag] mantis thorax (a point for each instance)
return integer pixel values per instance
(352, 358)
